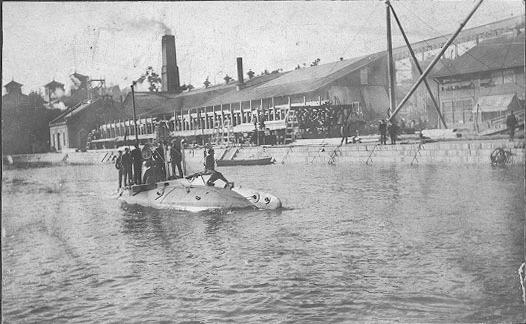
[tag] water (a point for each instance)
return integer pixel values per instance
(381, 243)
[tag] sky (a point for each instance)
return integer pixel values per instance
(118, 41)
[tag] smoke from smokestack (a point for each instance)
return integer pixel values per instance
(140, 24)
(146, 24)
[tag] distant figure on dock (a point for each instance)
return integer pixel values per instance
(118, 166)
(127, 165)
(137, 164)
(392, 129)
(356, 138)
(511, 124)
(176, 157)
(382, 129)
(210, 169)
(344, 133)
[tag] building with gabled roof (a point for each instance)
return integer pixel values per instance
(332, 91)
(480, 87)
(70, 129)
(345, 82)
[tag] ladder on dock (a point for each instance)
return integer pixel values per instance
(223, 134)
(292, 126)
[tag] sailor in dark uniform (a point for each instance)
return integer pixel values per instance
(137, 164)
(210, 169)
(177, 157)
(127, 165)
(158, 157)
(118, 166)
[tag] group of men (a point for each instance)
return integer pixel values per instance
(156, 170)
(124, 163)
(387, 127)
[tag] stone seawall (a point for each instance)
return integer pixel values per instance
(472, 152)
(453, 152)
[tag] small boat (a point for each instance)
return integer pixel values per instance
(193, 195)
(233, 162)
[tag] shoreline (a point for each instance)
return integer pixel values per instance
(319, 151)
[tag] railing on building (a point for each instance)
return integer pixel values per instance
(231, 119)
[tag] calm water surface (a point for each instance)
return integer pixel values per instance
(381, 243)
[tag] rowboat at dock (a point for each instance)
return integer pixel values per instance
(235, 162)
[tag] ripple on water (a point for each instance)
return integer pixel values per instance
(378, 244)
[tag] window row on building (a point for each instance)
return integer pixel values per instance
(486, 80)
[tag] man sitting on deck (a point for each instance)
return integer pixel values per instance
(210, 162)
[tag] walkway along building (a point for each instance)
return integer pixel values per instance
(319, 98)
(480, 87)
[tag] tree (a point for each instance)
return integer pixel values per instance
(250, 74)
(152, 78)
(25, 128)
(206, 83)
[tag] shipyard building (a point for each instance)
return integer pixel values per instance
(479, 88)
(319, 98)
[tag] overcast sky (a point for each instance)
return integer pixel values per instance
(117, 41)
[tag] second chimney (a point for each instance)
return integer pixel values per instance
(170, 71)
(240, 81)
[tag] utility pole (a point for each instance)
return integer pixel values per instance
(417, 65)
(435, 60)
(134, 114)
(390, 62)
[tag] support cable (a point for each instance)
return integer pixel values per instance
(435, 60)
(413, 56)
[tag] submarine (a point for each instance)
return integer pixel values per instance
(192, 194)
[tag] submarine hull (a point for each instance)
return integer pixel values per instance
(186, 198)
(194, 195)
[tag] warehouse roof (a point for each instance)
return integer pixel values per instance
(266, 86)
(487, 56)
(298, 81)
(155, 103)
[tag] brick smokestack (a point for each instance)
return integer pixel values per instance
(170, 71)
(240, 81)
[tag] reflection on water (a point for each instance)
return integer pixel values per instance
(388, 242)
